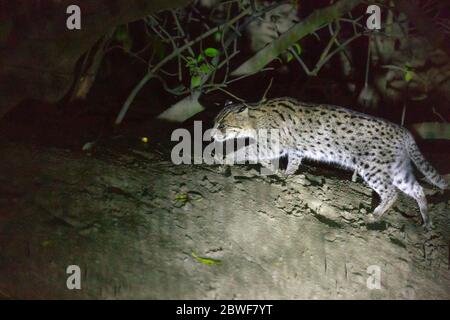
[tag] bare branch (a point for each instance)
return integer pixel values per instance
(172, 55)
(314, 21)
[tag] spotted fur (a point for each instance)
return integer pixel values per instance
(378, 150)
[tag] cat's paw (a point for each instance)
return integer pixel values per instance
(372, 217)
(428, 225)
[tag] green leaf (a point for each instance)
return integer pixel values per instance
(298, 48)
(195, 81)
(182, 198)
(289, 57)
(217, 36)
(190, 61)
(205, 68)
(200, 58)
(409, 76)
(121, 33)
(123, 36)
(207, 261)
(211, 52)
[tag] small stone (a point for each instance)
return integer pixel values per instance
(347, 216)
(331, 237)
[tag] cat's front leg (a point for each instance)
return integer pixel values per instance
(294, 162)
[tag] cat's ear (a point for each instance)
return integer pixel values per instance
(228, 103)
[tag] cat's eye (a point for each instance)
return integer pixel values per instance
(242, 109)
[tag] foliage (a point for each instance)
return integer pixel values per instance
(207, 261)
(122, 36)
(316, 20)
(202, 56)
(200, 66)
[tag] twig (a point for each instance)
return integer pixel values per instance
(174, 46)
(402, 122)
(249, 75)
(215, 87)
(180, 29)
(366, 79)
(321, 63)
(300, 61)
(227, 61)
(134, 55)
(330, 44)
(232, 95)
(175, 53)
(394, 67)
(315, 21)
(267, 90)
(338, 43)
(438, 114)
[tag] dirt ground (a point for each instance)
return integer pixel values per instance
(140, 227)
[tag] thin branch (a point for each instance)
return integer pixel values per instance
(330, 43)
(267, 90)
(316, 20)
(127, 52)
(366, 79)
(227, 61)
(337, 42)
(231, 95)
(321, 63)
(394, 67)
(180, 29)
(172, 55)
(438, 114)
(300, 61)
(249, 75)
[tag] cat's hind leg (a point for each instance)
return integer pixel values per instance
(409, 185)
(381, 183)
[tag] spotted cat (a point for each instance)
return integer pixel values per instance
(378, 150)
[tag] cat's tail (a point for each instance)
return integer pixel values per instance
(423, 165)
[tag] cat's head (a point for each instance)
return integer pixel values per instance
(233, 122)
